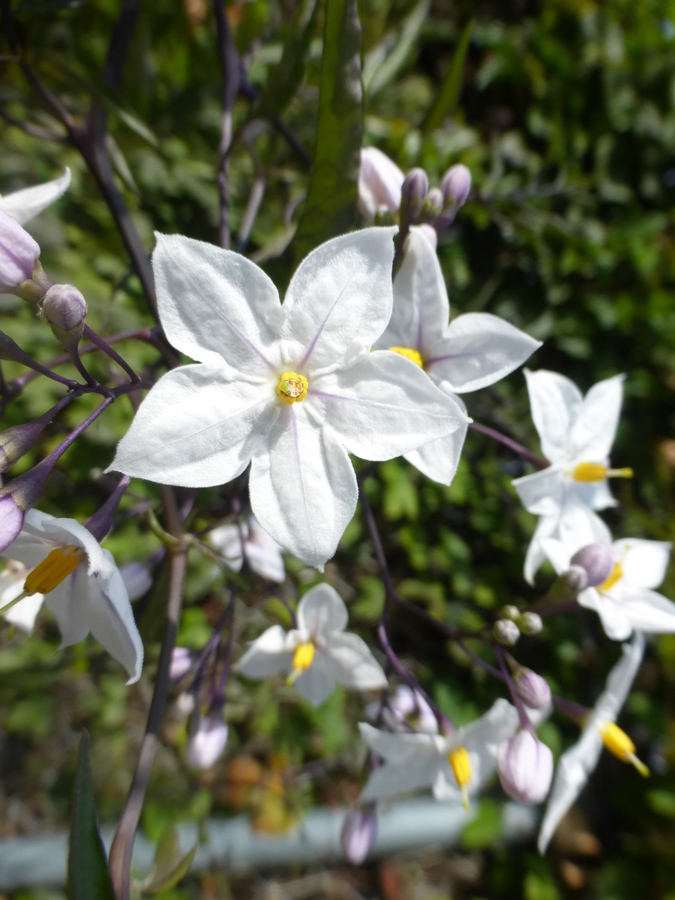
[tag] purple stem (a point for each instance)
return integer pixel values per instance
(537, 461)
(517, 702)
(113, 354)
(277, 592)
(217, 698)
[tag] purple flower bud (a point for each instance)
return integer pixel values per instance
(181, 663)
(415, 185)
(16, 441)
(65, 309)
(532, 689)
(18, 254)
(11, 520)
(432, 205)
(575, 578)
(506, 632)
(207, 743)
(456, 184)
(358, 834)
(596, 560)
(530, 623)
(525, 768)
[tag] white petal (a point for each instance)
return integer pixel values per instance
(196, 429)
(266, 655)
(398, 748)
(24, 614)
(413, 762)
(385, 405)
(42, 533)
(556, 403)
(645, 609)
(644, 563)
(227, 541)
(263, 554)
(352, 663)
(557, 554)
(619, 682)
(595, 495)
(578, 526)
(317, 683)
(321, 611)
(339, 300)
(439, 459)
(593, 432)
(547, 527)
(614, 614)
(380, 181)
(303, 492)
(215, 304)
(542, 492)
(28, 203)
(494, 727)
(68, 603)
(478, 349)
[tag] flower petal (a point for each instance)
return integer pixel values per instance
(542, 492)
(645, 609)
(317, 683)
(352, 663)
(303, 491)
(68, 603)
(413, 762)
(380, 181)
(614, 615)
(215, 304)
(478, 349)
(321, 611)
(339, 300)
(644, 563)
(555, 403)
(196, 428)
(263, 554)
(266, 655)
(593, 432)
(24, 205)
(384, 406)
(547, 527)
(24, 614)
(226, 539)
(439, 459)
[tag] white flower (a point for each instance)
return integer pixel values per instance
(24, 205)
(380, 182)
(406, 710)
(82, 586)
(473, 351)
(23, 613)
(454, 766)
(206, 745)
(291, 390)
(262, 552)
(576, 435)
(318, 653)
(577, 763)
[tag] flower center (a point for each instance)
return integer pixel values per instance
(461, 768)
(618, 743)
(590, 472)
(53, 569)
(409, 353)
(615, 575)
(292, 387)
(302, 660)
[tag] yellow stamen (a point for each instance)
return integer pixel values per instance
(615, 575)
(618, 743)
(54, 569)
(590, 472)
(292, 387)
(461, 767)
(302, 660)
(409, 353)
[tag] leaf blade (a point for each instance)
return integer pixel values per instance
(448, 95)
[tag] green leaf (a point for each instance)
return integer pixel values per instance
(331, 200)
(383, 64)
(87, 864)
(166, 872)
(452, 83)
(485, 828)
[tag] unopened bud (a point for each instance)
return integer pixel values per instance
(596, 560)
(11, 520)
(65, 309)
(525, 768)
(506, 632)
(432, 205)
(532, 689)
(510, 612)
(529, 623)
(181, 663)
(358, 834)
(575, 578)
(16, 441)
(18, 254)
(413, 192)
(207, 744)
(456, 184)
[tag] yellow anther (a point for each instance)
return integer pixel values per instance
(590, 472)
(615, 575)
(53, 569)
(292, 387)
(409, 353)
(302, 660)
(618, 743)
(461, 767)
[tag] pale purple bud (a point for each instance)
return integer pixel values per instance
(181, 663)
(596, 560)
(358, 834)
(18, 254)
(380, 182)
(530, 623)
(532, 689)
(525, 767)
(415, 186)
(575, 578)
(432, 205)
(137, 579)
(65, 309)
(506, 632)
(206, 745)
(11, 520)
(456, 184)
(18, 440)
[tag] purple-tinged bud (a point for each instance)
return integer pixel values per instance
(525, 767)
(137, 579)
(100, 524)
(506, 632)
(358, 834)
(21, 438)
(456, 184)
(532, 689)
(530, 623)
(575, 578)
(206, 745)
(596, 560)
(510, 612)
(181, 663)
(432, 205)
(11, 520)
(65, 309)
(415, 185)
(18, 254)
(380, 182)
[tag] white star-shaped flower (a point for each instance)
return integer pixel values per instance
(316, 654)
(577, 763)
(291, 389)
(81, 584)
(472, 352)
(454, 766)
(24, 205)
(262, 552)
(576, 436)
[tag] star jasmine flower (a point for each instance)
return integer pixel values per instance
(455, 766)
(576, 436)
(472, 352)
(290, 389)
(262, 552)
(82, 586)
(24, 205)
(380, 183)
(577, 763)
(316, 654)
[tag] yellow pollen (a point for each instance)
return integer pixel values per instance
(590, 472)
(292, 387)
(615, 575)
(53, 569)
(461, 767)
(409, 353)
(618, 743)
(302, 660)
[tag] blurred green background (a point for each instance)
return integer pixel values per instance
(565, 114)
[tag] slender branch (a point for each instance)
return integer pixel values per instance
(32, 130)
(250, 213)
(106, 348)
(537, 461)
(230, 67)
(517, 702)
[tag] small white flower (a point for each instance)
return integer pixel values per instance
(24, 205)
(454, 766)
(206, 745)
(290, 389)
(472, 352)
(318, 653)
(406, 710)
(262, 552)
(577, 763)
(380, 182)
(82, 586)
(24, 613)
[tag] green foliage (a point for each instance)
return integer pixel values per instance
(170, 865)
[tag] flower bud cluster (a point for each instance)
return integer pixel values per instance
(513, 623)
